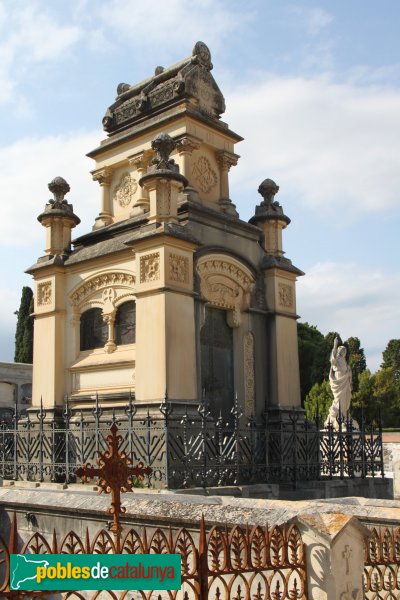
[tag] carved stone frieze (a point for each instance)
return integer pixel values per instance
(105, 280)
(178, 268)
(128, 110)
(150, 267)
(249, 374)
(227, 284)
(125, 190)
(44, 293)
(285, 294)
(205, 176)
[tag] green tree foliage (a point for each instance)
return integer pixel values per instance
(311, 357)
(319, 401)
(24, 330)
(378, 393)
(364, 398)
(356, 359)
(391, 358)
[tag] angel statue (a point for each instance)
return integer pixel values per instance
(340, 382)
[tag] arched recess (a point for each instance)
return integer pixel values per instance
(106, 291)
(226, 285)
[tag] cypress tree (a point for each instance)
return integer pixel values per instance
(24, 330)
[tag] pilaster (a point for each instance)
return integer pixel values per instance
(48, 379)
(104, 177)
(226, 160)
(165, 330)
(140, 162)
(334, 545)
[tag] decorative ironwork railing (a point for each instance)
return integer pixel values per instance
(382, 564)
(237, 563)
(261, 563)
(190, 448)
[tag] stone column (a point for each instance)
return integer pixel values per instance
(163, 182)
(334, 545)
(48, 349)
(140, 162)
(185, 146)
(104, 176)
(226, 160)
(110, 345)
(280, 298)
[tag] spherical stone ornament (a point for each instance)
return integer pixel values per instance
(268, 189)
(57, 185)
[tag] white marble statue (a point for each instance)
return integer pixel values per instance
(340, 382)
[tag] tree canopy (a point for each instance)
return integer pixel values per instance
(24, 330)
(373, 393)
(391, 358)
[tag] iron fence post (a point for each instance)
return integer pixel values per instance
(364, 467)
(294, 419)
(130, 411)
(341, 445)
(166, 409)
(66, 416)
(204, 413)
(15, 446)
(41, 416)
(237, 413)
(380, 442)
(185, 469)
(349, 446)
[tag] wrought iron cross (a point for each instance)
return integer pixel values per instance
(114, 472)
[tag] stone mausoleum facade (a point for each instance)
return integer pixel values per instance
(171, 290)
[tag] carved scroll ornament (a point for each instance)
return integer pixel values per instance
(227, 284)
(101, 282)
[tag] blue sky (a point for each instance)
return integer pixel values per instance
(313, 87)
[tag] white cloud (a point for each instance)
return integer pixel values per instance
(27, 166)
(333, 146)
(315, 20)
(160, 27)
(354, 301)
(29, 35)
(318, 19)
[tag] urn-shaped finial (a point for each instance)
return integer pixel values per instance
(268, 189)
(58, 187)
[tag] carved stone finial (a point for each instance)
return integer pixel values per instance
(163, 144)
(58, 187)
(269, 208)
(203, 55)
(268, 189)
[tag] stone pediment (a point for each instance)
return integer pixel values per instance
(189, 80)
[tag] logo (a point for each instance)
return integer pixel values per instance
(31, 572)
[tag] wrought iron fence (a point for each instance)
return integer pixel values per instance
(262, 563)
(382, 564)
(186, 447)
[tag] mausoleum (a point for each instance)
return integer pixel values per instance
(171, 290)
